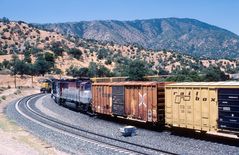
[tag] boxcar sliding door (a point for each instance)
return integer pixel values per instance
(118, 100)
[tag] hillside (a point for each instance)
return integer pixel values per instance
(19, 37)
(184, 35)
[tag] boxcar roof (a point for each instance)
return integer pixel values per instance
(128, 83)
(205, 84)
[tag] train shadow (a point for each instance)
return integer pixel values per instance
(187, 133)
(124, 122)
(184, 133)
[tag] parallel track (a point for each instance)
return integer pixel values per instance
(24, 108)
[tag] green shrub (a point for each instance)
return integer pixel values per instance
(3, 52)
(3, 97)
(102, 53)
(76, 53)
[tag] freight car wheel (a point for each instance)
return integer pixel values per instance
(63, 102)
(90, 109)
(55, 100)
(77, 107)
(60, 102)
(203, 133)
(86, 107)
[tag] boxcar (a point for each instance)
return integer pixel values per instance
(141, 101)
(203, 106)
(73, 91)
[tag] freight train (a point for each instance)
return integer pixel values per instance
(200, 106)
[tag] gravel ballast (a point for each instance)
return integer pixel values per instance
(157, 139)
(63, 142)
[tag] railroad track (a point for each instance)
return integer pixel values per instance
(25, 108)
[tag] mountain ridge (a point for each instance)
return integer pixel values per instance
(17, 38)
(185, 35)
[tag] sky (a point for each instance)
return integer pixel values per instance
(221, 13)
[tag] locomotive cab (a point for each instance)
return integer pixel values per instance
(45, 86)
(74, 93)
(85, 93)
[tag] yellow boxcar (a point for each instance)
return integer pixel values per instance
(204, 106)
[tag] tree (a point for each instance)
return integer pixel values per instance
(108, 61)
(14, 68)
(13, 63)
(76, 53)
(162, 71)
(83, 72)
(96, 70)
(3, 52)
(213, 73)
(57, 71)
(27, 57)
(5, 20)
(1, 66)
(6, 64)
(136, 70)
(43, 64)
(72, 71)
(49, 57)
(93, 69)
(35, 50)
(102, 53)
(102, 71)
(121, 67)
(57, 49)
(185, 75)
(41, 67)
(21, 67)
(31, 71)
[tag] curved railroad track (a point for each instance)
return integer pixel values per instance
(26, 108)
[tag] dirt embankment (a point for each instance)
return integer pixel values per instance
(24, 81)
(14, 139)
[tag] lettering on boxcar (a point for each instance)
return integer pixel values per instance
(186, 98)
(181, 106)
(150, 118)
(177, 99)
(213, 99)
(182, 96)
